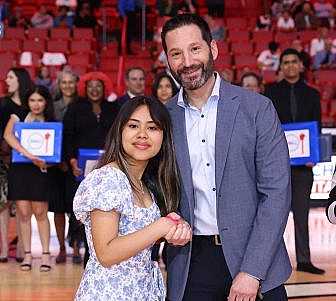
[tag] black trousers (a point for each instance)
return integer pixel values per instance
(209, 277)
(302, 181)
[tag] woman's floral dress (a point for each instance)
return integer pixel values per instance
(136, 279)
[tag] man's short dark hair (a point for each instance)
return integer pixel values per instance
(183, 20)
(290, 51)
(128, 71)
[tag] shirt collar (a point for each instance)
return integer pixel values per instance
(130, 94)
(182, 102)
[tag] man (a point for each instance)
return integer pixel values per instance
(295, 101)
(268, 59)
(306, 19)
(325, 59)
(233, 159)
(135, 85)
(331, 207)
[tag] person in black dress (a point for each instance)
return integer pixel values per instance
(28, 182)
(86, 124)
(62, 180)
(18, 82)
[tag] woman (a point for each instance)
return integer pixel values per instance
(43, 78)
(86, 124)
(18, 83)
(119, 210)
(60, 199)
(164, 87)
(28, 183)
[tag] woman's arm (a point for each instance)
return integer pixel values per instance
(14, 143)
(12, 140)
(112, 249)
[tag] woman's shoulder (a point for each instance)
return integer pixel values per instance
(107, 175)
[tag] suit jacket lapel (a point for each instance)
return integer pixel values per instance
(226, 115)
(182, 153)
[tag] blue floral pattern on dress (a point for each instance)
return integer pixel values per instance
(136, 279)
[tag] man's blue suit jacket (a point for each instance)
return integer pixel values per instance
(253, 189)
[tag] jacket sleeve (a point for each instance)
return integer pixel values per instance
(331, 207)
(274, 193)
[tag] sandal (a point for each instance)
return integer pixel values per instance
(45, 267)
(26, 263)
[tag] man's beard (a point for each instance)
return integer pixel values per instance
(199, 81)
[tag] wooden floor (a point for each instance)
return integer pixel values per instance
(61, 282)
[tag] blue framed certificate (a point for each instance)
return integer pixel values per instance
(87, 160)
(42, 139)
(303, 142)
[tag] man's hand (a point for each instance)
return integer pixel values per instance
(244, 288)
(181, 234)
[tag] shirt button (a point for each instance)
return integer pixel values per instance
(202, 115)
(208, 164)
(203, 140)
(213, 189)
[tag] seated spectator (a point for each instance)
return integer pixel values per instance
(216, 27)
(172, 8)
(306, 19)
(277, 8)
(325, 59)
(228, 75)
(251, 81)
(269, 58)
(43, 78)
(68, 3)
(325, 12)
(41, 19)
(285, 22)
(85, 18)
(297, 7)
(64, 18)
(264, 22)
(305, 57)
(16, 19)
(317, 44)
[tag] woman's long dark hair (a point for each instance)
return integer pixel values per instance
(24, 80)
(161, 174)
(48, 113)
(157, 81)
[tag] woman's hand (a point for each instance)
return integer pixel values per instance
(75, 169)
(39, 162)
(181, 234)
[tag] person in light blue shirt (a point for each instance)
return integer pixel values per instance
(233, 158)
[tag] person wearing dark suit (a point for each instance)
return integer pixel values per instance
(229, 143)
(295, 101)
(135, 85)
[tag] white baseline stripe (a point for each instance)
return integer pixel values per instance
(311, 289)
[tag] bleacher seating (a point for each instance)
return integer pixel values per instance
(84, 51)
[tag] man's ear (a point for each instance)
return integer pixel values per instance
(214, 49)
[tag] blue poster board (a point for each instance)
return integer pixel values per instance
(87, 160)
(303, 142)
(42, 139)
